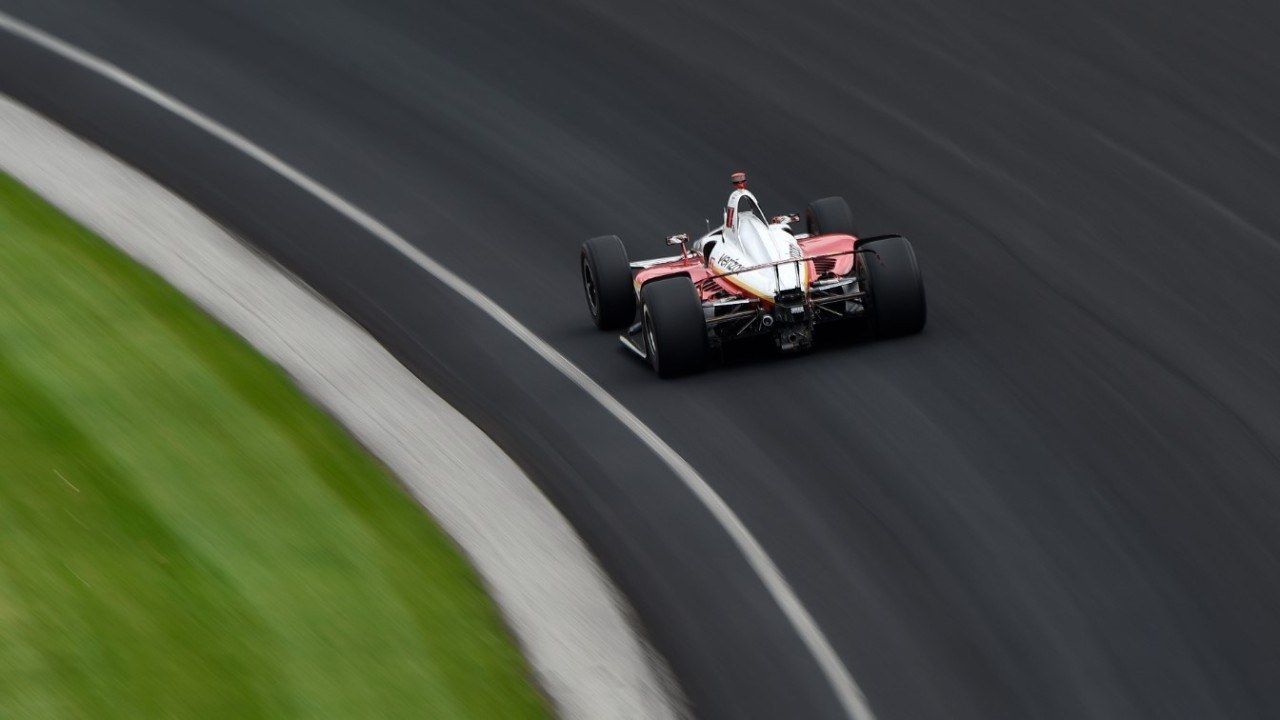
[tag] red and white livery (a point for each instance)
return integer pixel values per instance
(754, 275)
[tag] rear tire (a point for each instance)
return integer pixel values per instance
(829, 215)
(895, 285)
(607, 282)
(675, 333)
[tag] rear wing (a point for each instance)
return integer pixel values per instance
(643, 264)
(778, 263)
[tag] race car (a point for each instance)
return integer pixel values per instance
(752, 276)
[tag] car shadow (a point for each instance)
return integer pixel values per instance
(761, 350)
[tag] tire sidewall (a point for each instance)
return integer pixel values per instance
(829, 215)
(674, 329)
(605, 258)
(896, 287)
(650, 346)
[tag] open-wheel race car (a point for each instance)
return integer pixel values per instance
(753, 276)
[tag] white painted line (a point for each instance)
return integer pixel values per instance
(833, 669)
(572, 625)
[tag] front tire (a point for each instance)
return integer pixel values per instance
(829, 215)
(675, 333)
(607, 282)
(895, 285)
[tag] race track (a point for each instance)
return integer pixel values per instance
(1060, 501)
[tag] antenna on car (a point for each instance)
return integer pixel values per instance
(708, 222)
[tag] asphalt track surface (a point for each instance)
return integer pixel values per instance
(1060, 501)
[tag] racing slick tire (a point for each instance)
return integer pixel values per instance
(895, 286)
(606, 280)
(675, 333)
(829, 215)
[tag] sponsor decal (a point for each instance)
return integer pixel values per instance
(726, 264)
(729, 263)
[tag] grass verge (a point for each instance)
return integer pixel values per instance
(183, 535)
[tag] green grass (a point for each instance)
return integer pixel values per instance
(183, 536)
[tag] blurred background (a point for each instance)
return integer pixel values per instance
(1058, 501)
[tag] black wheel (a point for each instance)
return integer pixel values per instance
(829, 215)
(675, 333)
(895, 286)
(606, 279)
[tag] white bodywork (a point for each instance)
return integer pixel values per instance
(748, 239)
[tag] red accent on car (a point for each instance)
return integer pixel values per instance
(728, 217)
(826, 244)
(709, 286)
